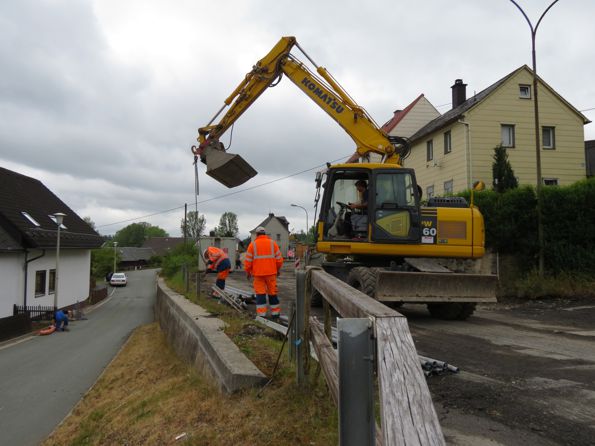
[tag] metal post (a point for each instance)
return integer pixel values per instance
(540, 237)
(292, 333)
(300, 323)
(56, 280)
(115, 255)
(356, 383)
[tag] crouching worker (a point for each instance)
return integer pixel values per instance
(61, 320)
(217, 260)
(263, 262)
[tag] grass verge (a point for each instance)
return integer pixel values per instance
(147, 396)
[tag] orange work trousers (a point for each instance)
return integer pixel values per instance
(265, 285)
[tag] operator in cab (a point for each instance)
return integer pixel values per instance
(362, 190)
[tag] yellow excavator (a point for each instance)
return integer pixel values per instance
(371, 230)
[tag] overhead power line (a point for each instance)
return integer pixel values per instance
(221, 196)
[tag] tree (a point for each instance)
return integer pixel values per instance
(90, 222)
(228, 225)
(502, 173)
(136, 233)
(195, 227)
(102, 261)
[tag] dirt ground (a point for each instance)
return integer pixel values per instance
(527, 369)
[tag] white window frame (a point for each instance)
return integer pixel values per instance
(430, 191)
(29, 218)
(507, 131)
(448, 187)
(550, 182)
(447, 142)
(43, 274)
(429, 150)
(552, 137)
(524, 91)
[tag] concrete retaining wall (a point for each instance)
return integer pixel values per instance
(198, 338)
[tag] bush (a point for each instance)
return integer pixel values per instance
(568, 221)
(181, 255)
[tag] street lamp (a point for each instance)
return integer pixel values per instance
(307, 226)
(58, 218)
(115, 255)
(537, 145)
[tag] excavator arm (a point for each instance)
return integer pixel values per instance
(232, 170)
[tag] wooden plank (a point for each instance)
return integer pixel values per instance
(407, 412)
(327, 358)
(348, 301)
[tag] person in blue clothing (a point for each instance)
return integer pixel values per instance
(61, 320)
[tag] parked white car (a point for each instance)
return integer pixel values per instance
(118, 279)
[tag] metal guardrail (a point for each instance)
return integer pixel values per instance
(369, 334)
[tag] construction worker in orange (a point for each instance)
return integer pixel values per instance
(217, 260)
(263, 262)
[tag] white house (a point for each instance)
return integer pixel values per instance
(277, 228)
(28, 238)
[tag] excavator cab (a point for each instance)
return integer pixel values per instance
(370, 203)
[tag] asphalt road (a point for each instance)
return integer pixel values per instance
(527, 369)
(42, 378)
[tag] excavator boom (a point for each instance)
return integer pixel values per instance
(233, 170)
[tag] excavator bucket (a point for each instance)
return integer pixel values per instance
(230, 170)
(398, 286)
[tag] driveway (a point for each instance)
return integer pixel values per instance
(41, 379)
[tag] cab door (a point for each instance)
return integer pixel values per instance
(395, 207)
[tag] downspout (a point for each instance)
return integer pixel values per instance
(468, 164)
(26, 266)
(468, 173)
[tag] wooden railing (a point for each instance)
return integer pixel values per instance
(407, 414)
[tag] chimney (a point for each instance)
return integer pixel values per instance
(459, 93)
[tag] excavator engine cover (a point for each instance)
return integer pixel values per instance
(230, 170)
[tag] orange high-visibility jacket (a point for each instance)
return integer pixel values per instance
(215, 255)
(263, 257)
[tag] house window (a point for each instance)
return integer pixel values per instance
(550, 181)
(430, 191)
(39, 283)
(52, 282)
(28, 217)
(507, 135)
(448, 187)
(278, 237)
(548, 136)
(447, 142)
(430, 150)
(525, 91)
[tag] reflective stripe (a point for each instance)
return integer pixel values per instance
(266, 256)
(275, 309)
(261, 309)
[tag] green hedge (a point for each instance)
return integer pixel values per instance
(568, 221)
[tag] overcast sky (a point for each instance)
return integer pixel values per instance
(101, 100)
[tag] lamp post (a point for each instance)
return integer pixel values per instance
(306, 254)
(115, 255)
(537, 144)
(59, 218)
(307, 226)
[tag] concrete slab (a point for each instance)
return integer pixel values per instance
(198, 338)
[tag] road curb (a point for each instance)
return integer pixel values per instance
(198, 338)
